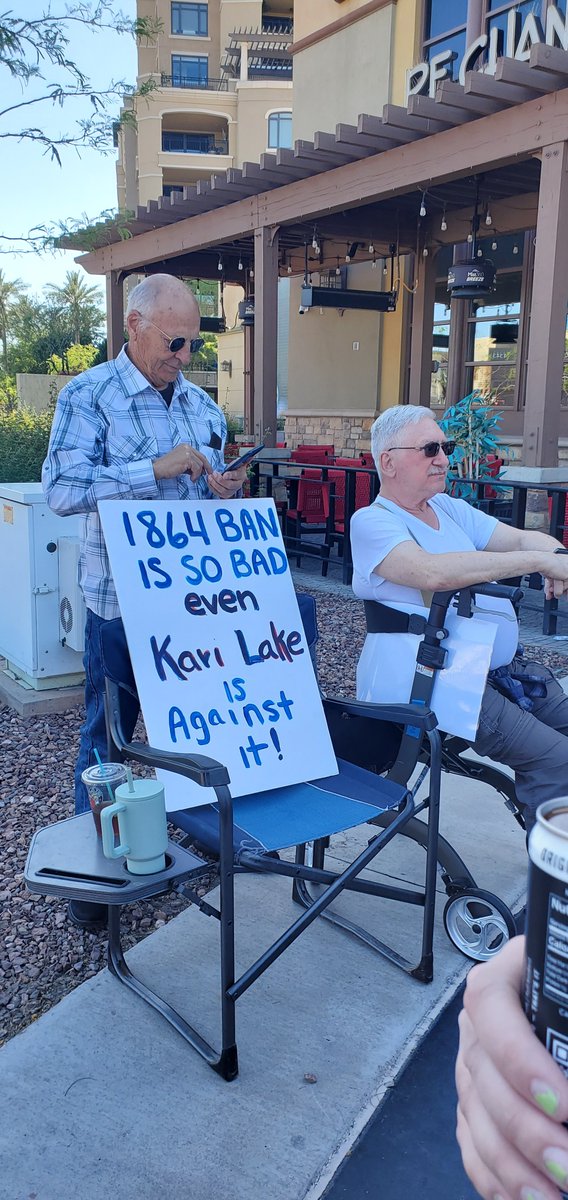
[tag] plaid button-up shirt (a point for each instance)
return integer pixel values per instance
(110, 424)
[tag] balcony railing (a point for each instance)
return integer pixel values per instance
(208, 85)
(199, 146)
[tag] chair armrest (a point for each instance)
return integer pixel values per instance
(207, 772)
(395, 714)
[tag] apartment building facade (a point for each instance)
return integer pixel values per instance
(222, 71)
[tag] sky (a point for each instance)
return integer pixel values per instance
(36, 191)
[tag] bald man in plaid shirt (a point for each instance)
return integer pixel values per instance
(131, 429)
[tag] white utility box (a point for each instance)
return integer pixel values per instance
(42, 612)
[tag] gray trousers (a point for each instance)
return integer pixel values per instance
(534, 744)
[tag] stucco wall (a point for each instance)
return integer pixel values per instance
(343, 75)
(255, 100)
(334, 359)
(36, 391)
(315, 15)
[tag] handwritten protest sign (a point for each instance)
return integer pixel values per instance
(216, 641)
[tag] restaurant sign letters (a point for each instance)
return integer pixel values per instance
(425, 76)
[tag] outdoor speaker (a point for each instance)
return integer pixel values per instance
(246, 311)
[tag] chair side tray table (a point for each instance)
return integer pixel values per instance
(66, 860)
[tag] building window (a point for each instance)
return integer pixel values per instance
(440, 350)
(177, 142)
(445, 24)
(280, 131)
(277, 24)
(492, 354)
(189, 70)
(173, 189)
(191, 19)
(498, 17)
(445, 30)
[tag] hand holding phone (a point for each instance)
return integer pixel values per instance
(243, 459)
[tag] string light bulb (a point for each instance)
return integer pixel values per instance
(220, 264)
(425, 252)
(251, 273)
(348, 257)
(289, 268)
(423, 205)
(515, 249)
(443, 222)
(488, 217)
(470, 238)
(338, 268)
(371, 248)
(385, 268)
(480, 253)
(494, 245)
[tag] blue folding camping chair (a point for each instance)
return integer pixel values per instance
(247, 834)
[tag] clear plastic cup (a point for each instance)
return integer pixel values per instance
(98, 780)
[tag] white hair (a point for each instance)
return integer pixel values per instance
(147, 296)
(386, 430)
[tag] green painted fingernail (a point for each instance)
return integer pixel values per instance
(546, 1099)
(557, 1169)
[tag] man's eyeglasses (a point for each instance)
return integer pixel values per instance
(431, 449)
(177, 343)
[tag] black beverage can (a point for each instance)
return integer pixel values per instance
(546, 967)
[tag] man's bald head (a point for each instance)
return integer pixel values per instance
(161, 310)
(161, 292)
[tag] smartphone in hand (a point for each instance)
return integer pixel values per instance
(243, 459)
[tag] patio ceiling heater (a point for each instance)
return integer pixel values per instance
(344, 298)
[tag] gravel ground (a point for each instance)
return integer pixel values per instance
(43, 956)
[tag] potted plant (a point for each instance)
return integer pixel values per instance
(474, 425)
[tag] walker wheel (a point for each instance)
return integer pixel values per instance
(478, 923)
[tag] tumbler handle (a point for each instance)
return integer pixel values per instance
(109, 848)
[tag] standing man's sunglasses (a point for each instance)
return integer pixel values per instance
(431, 449)
(177, 343)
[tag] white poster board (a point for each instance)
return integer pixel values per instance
(216, 641)
(386, 669)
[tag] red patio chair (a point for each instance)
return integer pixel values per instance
(491, 466)
(310, 515)
(362, 480)
(312, 454)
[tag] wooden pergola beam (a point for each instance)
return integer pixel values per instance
(547, 337)
(343, 151)
(439, 110)
(491, 141)
(349, 135)
(453, 93)
(509, 94)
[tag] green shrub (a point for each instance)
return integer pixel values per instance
(24, 435)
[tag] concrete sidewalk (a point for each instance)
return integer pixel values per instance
(100, 1097)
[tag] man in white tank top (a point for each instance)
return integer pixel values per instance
(414, 539)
